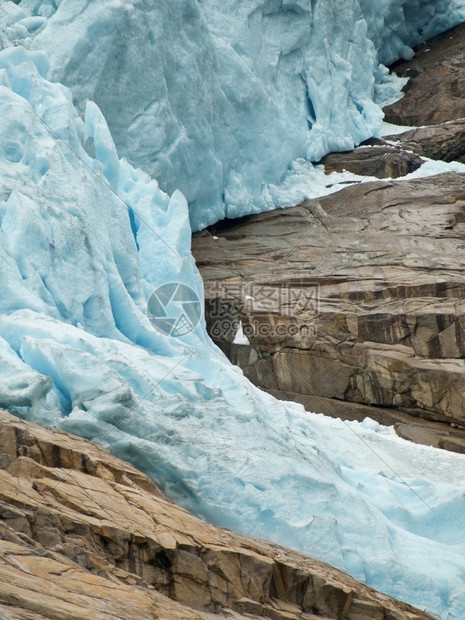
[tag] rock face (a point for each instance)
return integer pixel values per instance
(358, 296)
(433, 100)
(380, 161)
(434, 93)
(444, 141)
(354, 304)
(85, 535)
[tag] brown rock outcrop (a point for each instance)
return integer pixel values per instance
(435, 91)
(381, 161)
(358, 296)
(84, 535)
(445, 141)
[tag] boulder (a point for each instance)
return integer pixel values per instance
(383, 161)
(445, 141)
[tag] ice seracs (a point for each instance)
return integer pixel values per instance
(218, 99)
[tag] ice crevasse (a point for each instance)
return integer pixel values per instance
(86, 237)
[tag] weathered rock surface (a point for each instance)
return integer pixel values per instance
(433, 104)
(435, 91)
(85, 535)
(381, 161)
(358, 296)
(444, 141)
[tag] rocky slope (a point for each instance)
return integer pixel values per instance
(85, 535)
(434, 92)
(357, 299)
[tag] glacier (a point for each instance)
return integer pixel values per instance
(216, 99)
(105, 164)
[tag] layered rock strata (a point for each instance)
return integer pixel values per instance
(358, 296)
(361, 309)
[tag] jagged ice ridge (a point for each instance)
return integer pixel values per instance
(217, 99)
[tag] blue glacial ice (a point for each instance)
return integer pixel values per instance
(218, 98)
(86, 238)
